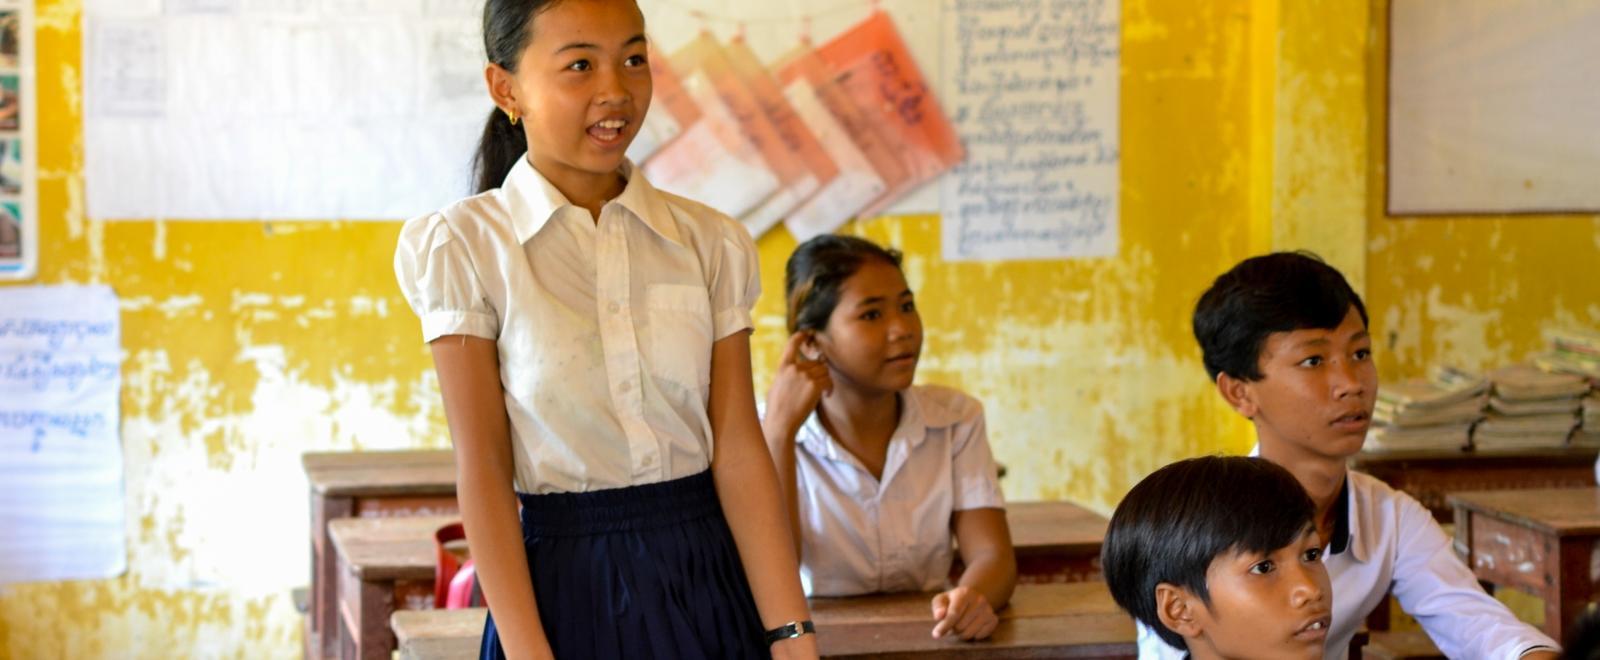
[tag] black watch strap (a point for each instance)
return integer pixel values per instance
(790, 630)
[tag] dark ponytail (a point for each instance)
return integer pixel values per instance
(507, 28)
(498, 151)
(816, 271)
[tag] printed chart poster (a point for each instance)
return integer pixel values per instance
(60, 451)
(19, 221)
(1033, 89)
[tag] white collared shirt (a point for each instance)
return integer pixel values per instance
(604, 328)
(863, 535)
(1394, 541)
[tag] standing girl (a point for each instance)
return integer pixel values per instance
(590, 335)
(877, 474)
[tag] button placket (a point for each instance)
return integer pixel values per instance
(621, 341)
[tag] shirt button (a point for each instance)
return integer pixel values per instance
(627, 386)
(613, 308)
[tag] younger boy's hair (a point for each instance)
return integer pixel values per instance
(1278, 292)
(1170, 527)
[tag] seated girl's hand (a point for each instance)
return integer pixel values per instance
(798, 387)
(964, 612)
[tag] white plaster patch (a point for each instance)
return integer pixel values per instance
(1464, 333)
(238, 521)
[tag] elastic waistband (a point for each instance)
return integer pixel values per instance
(620, 509)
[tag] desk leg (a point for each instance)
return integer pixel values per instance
(375, 641)
(324, 581)
(1573, 586)
(363, 621)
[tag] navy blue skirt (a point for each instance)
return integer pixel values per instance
(642, 572)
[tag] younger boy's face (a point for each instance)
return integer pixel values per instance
(1317, 390)
(1277, 605)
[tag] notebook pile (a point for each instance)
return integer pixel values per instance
(1530, 408)
(1437, 412)
(1577, 352)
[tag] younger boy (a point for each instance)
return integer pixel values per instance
(1219, 555)
(1285, 339)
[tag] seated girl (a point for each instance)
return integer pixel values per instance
(877, 473)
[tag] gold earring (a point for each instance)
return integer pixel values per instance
(512, 116)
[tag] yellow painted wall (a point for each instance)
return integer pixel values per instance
(1474, 291)
(249, 343)
(1319, 173)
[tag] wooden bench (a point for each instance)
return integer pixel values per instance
(383, 565)
(365, 484)
(1056, 541)
(1045, 620)
(1431, 476)
(1538, 541)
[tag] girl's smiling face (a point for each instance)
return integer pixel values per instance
(582, 86)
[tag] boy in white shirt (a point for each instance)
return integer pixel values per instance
(1285, 339)
(1181, 559)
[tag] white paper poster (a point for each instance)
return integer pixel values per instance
(283, 109)
(1032, 89)
(1493, 107)
(60, 451)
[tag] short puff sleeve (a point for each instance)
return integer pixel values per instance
(735, 282)
(439, 282)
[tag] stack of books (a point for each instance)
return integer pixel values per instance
(1530, 408)
(1588, 434)
(1577, 352)
(1572, 352)
(1437, 412)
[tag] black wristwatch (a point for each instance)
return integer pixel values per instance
(790, 630)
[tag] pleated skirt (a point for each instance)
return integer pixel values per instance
(647, 572)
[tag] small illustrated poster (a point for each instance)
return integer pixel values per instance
(19, 195)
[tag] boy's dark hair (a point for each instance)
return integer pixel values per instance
(1278, 292)
(1170, 527)
(816, 270)
(507, 28)
(1583, 638)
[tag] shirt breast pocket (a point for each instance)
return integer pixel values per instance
(679, 344)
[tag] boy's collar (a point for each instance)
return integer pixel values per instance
(1341, 523)
(1347, 528)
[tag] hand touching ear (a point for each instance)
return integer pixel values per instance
(799, 386)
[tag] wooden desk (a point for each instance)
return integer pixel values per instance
(383, 565)
(439, 634)
(365, 484)
(1077, 620)
(1431, 476)
(1540, 541)
(1410, 645)
(1055, 541)
(1044, 621)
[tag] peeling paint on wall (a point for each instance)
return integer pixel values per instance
(249, 343)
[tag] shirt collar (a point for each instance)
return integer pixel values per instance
(817, 440)
(1348, 528)
(533, 200)
(1358, 522)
